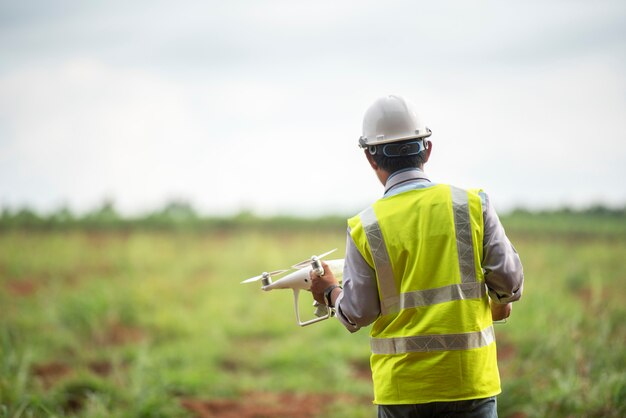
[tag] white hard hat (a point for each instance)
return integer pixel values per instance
(391, 119)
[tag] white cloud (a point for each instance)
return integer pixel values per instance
(83, 130)
(259, 105)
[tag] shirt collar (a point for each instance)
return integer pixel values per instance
(403, 176)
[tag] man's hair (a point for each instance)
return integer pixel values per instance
(393, 164)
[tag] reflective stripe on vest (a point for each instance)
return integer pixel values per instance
(388, 292)
(460, 208)
(391, 301)
(439, 342)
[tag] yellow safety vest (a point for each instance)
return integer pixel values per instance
(434, 339)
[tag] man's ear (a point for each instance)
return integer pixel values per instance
(370, 159)
(429, 148)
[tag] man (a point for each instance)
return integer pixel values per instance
(430, 266)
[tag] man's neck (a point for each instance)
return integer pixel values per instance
(404, 175)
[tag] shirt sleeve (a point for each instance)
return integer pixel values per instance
(504, 274)
(357, 305)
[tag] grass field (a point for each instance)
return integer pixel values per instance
(156, 324)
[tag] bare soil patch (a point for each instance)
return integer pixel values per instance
(230, 366)
(50, 373)
(594, 300)
(120, 334)
(22, 287)
(361, 370)
(53, 372)
(100, 367)
(506, 350)
(261, 405)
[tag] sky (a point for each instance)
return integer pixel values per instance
(258, 105)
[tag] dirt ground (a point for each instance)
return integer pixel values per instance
(262, 405)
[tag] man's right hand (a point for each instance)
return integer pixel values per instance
(500, 311)
(321, 283)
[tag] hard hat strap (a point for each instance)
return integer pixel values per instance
(404, 149)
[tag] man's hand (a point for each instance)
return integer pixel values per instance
(321, 283)
(500, 311)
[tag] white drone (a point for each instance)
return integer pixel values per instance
(300, 280)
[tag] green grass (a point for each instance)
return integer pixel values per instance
(144, 323)
(584, 223)
(567, 334)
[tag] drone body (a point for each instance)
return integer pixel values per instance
(300, 280)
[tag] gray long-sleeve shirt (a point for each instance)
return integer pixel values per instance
(358, 304)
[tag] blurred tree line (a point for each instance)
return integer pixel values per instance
(174, 215)
(180, 215)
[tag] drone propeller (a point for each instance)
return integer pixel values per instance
(306, 263)
(260, 276)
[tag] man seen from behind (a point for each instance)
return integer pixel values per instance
(430, 267)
